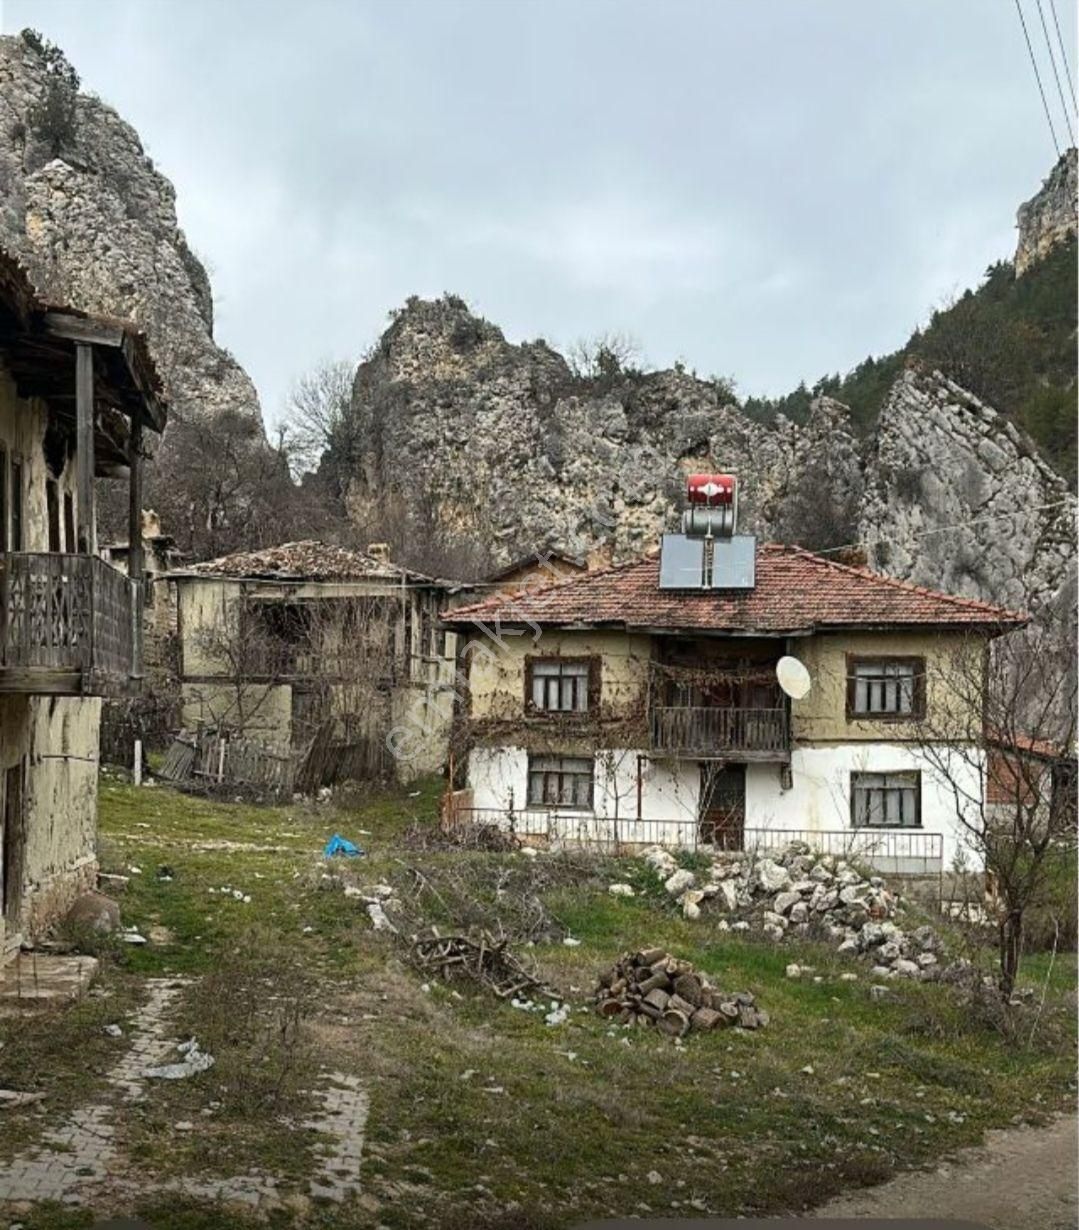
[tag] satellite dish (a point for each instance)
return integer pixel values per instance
(793, 677)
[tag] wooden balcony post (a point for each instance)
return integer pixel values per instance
(84, 414)
(135, 566)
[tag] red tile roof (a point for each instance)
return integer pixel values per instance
(795, 591)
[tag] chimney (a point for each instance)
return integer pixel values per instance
(379, 551)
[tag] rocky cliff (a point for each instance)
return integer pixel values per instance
(510, 444)
(1049, 217)
(83, 206)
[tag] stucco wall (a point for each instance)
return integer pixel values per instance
(264, 711)
(56, 741)
(22, 430)
(821, 716)
(817, 801)
(497, 670)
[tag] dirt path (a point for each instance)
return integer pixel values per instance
(1023, 1178)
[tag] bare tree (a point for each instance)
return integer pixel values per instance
(318, 414)
(605, 357)
(1002, 740)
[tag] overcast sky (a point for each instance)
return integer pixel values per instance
(769, 189)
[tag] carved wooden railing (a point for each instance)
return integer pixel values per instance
(66, 612)
(708, 729)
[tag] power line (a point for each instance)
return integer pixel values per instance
(1063, 52)
(1037, 76)
(1056, 76)
(943, 529)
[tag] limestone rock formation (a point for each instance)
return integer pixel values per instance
(508, 443)
(83, 206)
(1049, 217)
(957, 498)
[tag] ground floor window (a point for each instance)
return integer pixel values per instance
(886, 800)
(563, 781)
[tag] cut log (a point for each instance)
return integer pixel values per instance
(659, 980)
(657, 999)
(705, 1018)
(688, 986)
(681, 1005)
(649, 956)
(674, 1023)
(611, 1007)
(729, 1013)
(747, 1017)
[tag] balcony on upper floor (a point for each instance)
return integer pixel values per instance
(721, 732)
(68, 625)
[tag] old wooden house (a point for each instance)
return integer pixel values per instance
(76, 394)
(279, 644)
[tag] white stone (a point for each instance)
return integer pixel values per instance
(679, 881)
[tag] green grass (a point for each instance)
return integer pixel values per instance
(839, 1090)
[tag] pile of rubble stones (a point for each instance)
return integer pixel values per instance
(651, 987)
(798, 892)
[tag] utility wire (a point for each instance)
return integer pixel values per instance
(1063, 53)
(1056, 76)
(1037, 76)
(945, 529)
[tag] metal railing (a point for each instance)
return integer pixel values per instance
(716, 728)
(66, 612)
(885, 850)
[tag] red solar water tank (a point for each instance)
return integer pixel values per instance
(712, 490)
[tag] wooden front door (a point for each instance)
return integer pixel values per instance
(722, 815)
(14, 839)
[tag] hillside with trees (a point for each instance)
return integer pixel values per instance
(1011, 342)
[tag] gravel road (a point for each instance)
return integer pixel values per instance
(1021, 1179)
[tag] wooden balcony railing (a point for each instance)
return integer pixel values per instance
(66, 614)
(713, 730)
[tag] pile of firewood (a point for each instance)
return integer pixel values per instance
(479, 957)
(653, 988)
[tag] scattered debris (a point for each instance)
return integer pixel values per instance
(460, 836)
(341, 845)
(621, 890)
(131, 936)
(193, 1061)
(378, 917)
(651, 987)
(114, 1031)
(15, 1097)
(481, 957)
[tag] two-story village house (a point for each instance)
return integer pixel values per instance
(640, 703)
(279, 643)
(76, 393)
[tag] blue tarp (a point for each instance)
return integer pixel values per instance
(341, 845)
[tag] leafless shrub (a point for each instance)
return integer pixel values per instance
(1003, 745)
(251, 1014)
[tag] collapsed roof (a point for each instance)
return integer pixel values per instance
(309, 560)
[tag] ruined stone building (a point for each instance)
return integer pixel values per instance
(278, 644)
(76, 393)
